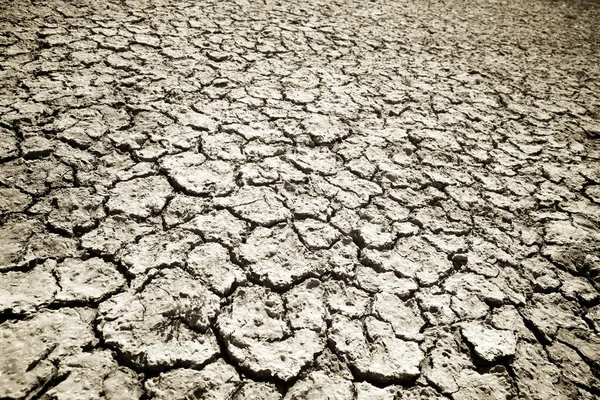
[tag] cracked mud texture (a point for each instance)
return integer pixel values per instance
(300, 200)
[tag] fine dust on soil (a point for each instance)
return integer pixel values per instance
(299, 199)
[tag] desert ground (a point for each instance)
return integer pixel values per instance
(349, 200)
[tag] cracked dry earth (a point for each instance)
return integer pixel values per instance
(299, 200)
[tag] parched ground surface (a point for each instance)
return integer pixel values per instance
(299, 200)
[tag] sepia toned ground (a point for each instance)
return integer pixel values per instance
(299, 199)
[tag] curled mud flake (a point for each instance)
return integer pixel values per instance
(86, 281)
(13, 200)
(75, 209)
(549, 312)
(259, 339)
(573, 367)
(257, 390)
(489, 344)
(115, 232)
(167, 324)
(91, 375)
(375, 236)
(404, 316)
(193, 174)
(387, 282)
(217, 380)
(411, 257)
(8, 144)
(24, 292)
(35, 177)
(36, 147)
(276, 257)
(220, 226)
(382, 358)
(211, 263)
(163, 249)
(32, 348)
(319, 385)
(259, 205)
(139, 197)
(317, 235)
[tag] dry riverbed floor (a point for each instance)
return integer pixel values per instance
(299, 199)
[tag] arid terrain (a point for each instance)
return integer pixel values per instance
(349, 200)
